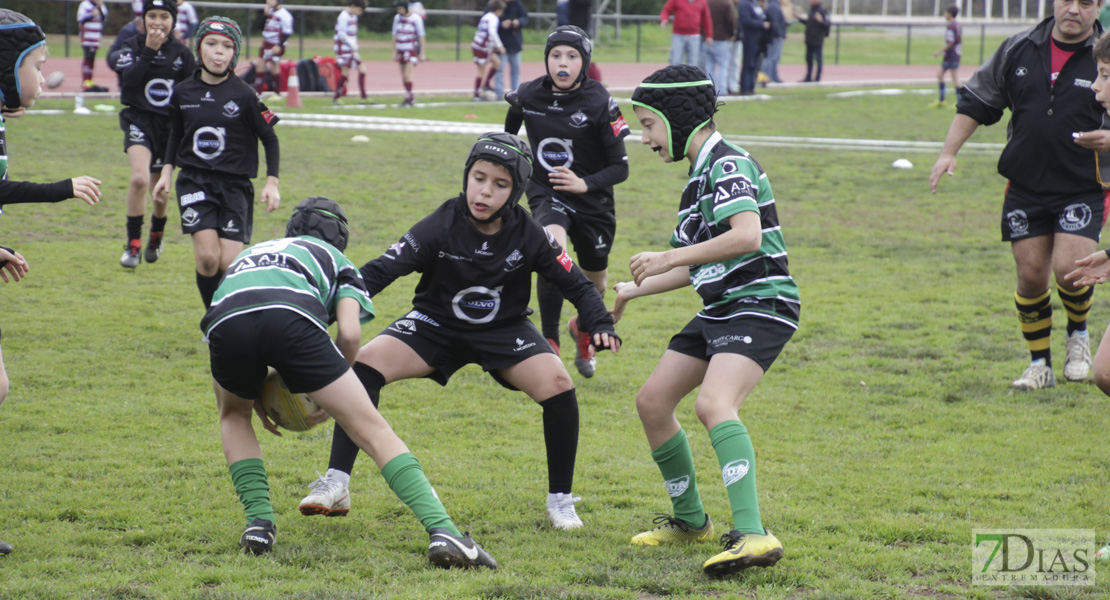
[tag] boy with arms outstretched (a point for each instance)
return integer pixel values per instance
(216, 122)
(476, 254)
(273, 310)
(577, 134)
(729, 246)
(150, 65)
(22, 55)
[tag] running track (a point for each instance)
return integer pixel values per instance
(383, 78)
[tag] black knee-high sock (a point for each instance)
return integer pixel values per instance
(344, 450)
(560, 434)
(134, 228)
(207, 285)
(157, 224)
(551, 308)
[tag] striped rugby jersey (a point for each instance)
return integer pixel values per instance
(302, 274)
(91, 19)
(726, 180)
(279, 24)
(407, 32)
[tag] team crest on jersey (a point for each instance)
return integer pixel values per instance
(178, 64)
(231, 109)
(1075, 217)
(190, 217)
(513, 261)
(692, 229)
(1018, 222)
(579, 120)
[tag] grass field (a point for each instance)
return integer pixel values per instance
(884, 434)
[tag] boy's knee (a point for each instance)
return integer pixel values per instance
(208, 264)
(139, 182)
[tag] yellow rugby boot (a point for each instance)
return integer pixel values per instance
(670, 530)
(743, 550)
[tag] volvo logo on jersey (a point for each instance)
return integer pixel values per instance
(208, 142)
(158, 91)
(555, 152)
(477, 304)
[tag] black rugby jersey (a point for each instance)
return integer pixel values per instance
(582, 130)
(471, 281)
(218, 127)
(147, 76)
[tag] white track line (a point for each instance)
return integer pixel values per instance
(370, 123)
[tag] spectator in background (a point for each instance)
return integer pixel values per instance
(187, 22)
(723, 14)
(692, 25)
(91, 15)
(777, 38)
(952, 51)
(735, 58)
(562, 13)
(752, 25)
(513, 20)
(578, 14)
(817, 29)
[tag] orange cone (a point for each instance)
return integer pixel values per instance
(293, 92)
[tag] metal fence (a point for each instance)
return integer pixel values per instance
(607, 27)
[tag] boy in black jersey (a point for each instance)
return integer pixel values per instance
(150, 65)
(22, 54)
(577, 134)
(476, 254)
(216, 122)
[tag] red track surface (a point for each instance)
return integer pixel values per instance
(458, 77)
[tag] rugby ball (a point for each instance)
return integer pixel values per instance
(55, 79)
(286, 409)
(488, 95)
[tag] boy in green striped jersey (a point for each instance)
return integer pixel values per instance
(272, 309)
(729, 246)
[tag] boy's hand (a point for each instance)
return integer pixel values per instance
(86, 188)
(1090, 270)
(944, 164)
(604, 340)
(1097, 140)
(565, 180)
(624, 291)
(12, 263)
(161, 189)
(155, 38)
(266, 422)
(646, 264)
(270, 195)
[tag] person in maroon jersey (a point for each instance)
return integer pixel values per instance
(91, 15)
(276, 30)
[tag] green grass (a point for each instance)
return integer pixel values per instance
(885, 432)
(857, 46)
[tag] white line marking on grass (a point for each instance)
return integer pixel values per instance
(371, 123)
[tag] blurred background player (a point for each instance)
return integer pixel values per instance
(273, 310)
(187, 22)
(408, 44)
(513, 20)
(346, 49)
(22, 55)
(277, 29)
(476, 254)
(580, 149)
(137, 8)
(729, 246)
(150, 65)
(128, 31)
(486, 47)
(216, 122)
(91, 15)
(952, 51)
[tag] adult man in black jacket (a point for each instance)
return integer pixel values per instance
(1054, 207)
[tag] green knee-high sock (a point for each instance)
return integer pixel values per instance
(737, 458)
(676, 463)
(407, 480)
(249, 478)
